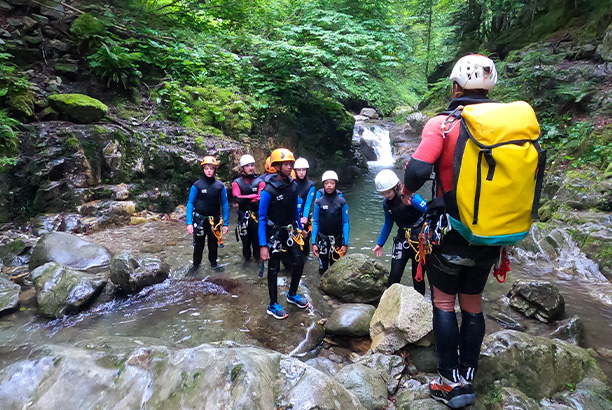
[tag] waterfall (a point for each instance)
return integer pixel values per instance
(377, 138)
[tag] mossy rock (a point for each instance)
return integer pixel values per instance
(78, 107)
(21, 102)
(87, 26)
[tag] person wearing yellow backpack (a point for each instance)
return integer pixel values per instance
(488, 168)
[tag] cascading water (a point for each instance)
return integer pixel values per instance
(377, 138)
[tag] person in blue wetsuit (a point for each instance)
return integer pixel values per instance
(409, 220)
(206, 197)
(330, 224)
(280, 230)
(306, 190)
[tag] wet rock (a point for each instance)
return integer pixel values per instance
(17, 252)
(52, 9)
(48, 114)
(390, 367)
(205, 377)
(62, 291)
(78, 107)
(605, 48)
(324, 365)
(425, 359)
(506, 321)
(121, 192)
(351, 319)
(66, 68)
(584, 190)
(355, 278)
(539, 300)
(367, 150)
(71, 251)
(9, 294)
(589, 394)
(422, 404)
(369, 113)
(366, 384)
(133, 272)
(403, 316)
(410, 391)
(511, 398)
(571, 330)
(518, 360)
(112, 156)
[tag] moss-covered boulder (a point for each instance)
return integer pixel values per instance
(355, 278)
(78, 107)
(133, 272)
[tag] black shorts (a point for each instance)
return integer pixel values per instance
(458, 267)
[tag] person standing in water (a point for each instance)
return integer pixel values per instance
(206, 198)
(246, 193)
(330, 224)
(409, 220)
(306, 190)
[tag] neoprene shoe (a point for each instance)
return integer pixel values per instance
(454, 395)
(297, 300)
(277, 311)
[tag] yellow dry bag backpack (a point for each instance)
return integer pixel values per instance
(498, 169)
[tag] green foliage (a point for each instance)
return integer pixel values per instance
(116, 65)
(9, 140)
(89, 30)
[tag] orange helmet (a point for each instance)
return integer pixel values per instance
(269, 168)
(281, 155)
(209, 160)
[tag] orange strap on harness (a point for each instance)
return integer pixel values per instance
(421, 254)
(217, 230)
(502, 267)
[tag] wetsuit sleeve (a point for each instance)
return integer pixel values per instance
(193, 193)
(318, 195)
(419, 203)
(298, 208)
(309, 200)
(263, 217)
(225, 205)
(345, 224)
(315, 223)
(420, 165)
(386, 229)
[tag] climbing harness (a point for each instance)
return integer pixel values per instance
(217, 230)
(275, 243)
(502, 266)
(243, 223)
(328, 244)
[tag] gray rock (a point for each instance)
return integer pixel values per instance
(423, 404)
(425, 359)
(539, 300)
(355, 278)
(350, 319)
(108, 208)
(518, 360)
(112, 155)
(66, 68)
(71, 251)
(367, 150)
(324, 365)
(52, 9)
(513, 399)
(403, 316)
(61, 291)
(366, 384)
(9, 294)
(411, 390)
(390, 367)
(589, 394)
(369, 113)
(133, 272)
(225, 376)
(571, 330)
(605, 48)
(415, 123)
(584, 190)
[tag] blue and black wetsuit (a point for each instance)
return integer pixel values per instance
(278, 220)
(409, 220)
(245, 190)
(206, 197)
(330, 227)
(306, 190)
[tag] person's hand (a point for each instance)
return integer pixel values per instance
(190, 229)
(304, 220)
(305, 233)
(377, 250)
(225, 229)
(263, 253)
(315, 251)
(343, 250)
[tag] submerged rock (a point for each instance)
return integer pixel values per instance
(403, 316)
(62, 291)
(133, 272)
(571, 330)
(350, 319)
(71, 251)
(9, 294)
(223, 376)
(539, 300)
(537, 366)
(355, 278)
(366, 384)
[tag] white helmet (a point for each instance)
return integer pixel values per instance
(301, 163)
(385, 180)
(246, 159)
(475, 72)
(329, 175)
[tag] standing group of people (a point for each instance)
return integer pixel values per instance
(280, 214)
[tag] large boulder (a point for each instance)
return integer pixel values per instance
(224, 376)
(605, 48)
(369, 113)
(350, 319)
(71, 251)
(355, 278)
(133, 272)
(591, 394)
(9, 294)
(62, 291)
(403, 316)
(537, 366)
(390, 367)
(366, 384)
(539, 300)
(78, 107)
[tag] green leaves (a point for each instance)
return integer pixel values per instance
(116, 64)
